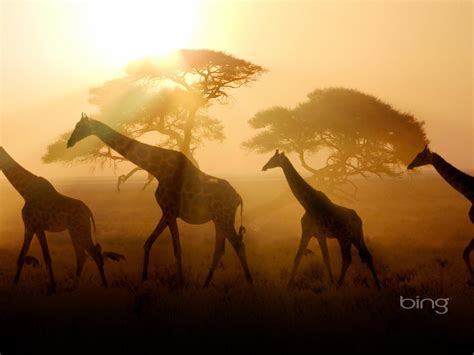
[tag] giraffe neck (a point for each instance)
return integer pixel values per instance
(145, 156)
(303, 191)
(20, 178)
(462, 182)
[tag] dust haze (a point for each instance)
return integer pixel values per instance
(411, 61)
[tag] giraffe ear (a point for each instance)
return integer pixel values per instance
(282, 153)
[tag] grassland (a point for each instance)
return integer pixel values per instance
(416, 229)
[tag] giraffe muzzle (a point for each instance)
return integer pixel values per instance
(69, 143)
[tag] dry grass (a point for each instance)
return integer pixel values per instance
(415, 228)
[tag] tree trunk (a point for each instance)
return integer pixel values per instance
(188, 131)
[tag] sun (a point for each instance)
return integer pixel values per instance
(131, 29)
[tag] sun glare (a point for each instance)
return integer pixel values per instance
(131, 29)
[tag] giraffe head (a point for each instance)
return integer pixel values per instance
(423, 158)
(275, 161)
(82, 130)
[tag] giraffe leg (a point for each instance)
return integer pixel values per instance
(80, 258)
(95, 251)
(82, 242)
(366, 257)
(173, 226)
(324, 251)
(24, 250)
(149, 243)
(305, 238)
(466, 254)
(370, 264)
(346, 259)
(218, 252)
(236, 240)
(47, 259)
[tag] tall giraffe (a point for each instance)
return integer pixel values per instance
(183, 192)
(323, 219)
(46, 209)
(462, 182)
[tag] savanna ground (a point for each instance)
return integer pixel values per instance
(416, 229)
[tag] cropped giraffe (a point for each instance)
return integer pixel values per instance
(323, 219)
(183, 192)
(462, 182)
(46, 209)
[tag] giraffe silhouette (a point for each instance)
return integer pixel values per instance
(462, 182)
(183, 192)
(46, 209)
(323, 219)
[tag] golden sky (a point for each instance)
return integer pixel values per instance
(416, 56)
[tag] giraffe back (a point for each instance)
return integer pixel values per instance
(46, 209)
(334, 221)
(198, 198)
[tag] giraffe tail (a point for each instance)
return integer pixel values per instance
(91, 216)
(242, 229)
(110, 255)
(93, 222)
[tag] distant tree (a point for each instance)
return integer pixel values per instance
(205, 75)
(357, 133)
(168, 96)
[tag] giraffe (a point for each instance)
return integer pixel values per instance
(183, 192)
(323, 219)
(46, 209)
(462, 182)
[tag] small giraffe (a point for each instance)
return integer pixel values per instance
(183, 192)
(46, 209)
(462, 182)
(323, 219)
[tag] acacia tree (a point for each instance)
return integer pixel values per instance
(205, 75)
(357, 133)
(168, 96)
(136, 111)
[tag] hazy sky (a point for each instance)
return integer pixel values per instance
(417, 56)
